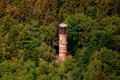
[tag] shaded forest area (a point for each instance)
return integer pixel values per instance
(29, 39)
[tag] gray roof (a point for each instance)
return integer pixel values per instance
(62, 25)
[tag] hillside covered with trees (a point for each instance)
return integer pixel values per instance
(29, 39)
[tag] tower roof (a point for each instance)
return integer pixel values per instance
(63, 25)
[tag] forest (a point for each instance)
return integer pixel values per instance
(29, 39)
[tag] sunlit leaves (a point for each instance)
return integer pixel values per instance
(78, 29)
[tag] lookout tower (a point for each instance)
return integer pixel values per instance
(62, 42)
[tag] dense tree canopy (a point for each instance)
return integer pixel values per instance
(29, 39)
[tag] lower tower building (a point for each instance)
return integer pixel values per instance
(62, 42)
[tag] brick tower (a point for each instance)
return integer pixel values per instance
(62, 42)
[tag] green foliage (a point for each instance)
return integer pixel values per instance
(68, 70)
(46, 52)
(29, 39)
(82, 57)
(7, 23)
(105, 34)
(78, 25)
(18, 70)
(103, 65)
(94, 69)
